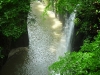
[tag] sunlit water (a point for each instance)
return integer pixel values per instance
(47, 41)
(67, 34)
(44, 37)
(66, 38)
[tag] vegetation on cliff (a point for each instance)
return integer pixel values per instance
(13, 23)
(13, 17)
(86, 61)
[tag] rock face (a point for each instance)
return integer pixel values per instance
(8, 44)
(16, 51)
(15, 62)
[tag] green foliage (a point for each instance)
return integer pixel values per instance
(91, 47)
(63, 6)
(73, 64)
(66, 5)
(77, 21)
(88, 13)
(84, 62)
(87, 60)
(13, 15)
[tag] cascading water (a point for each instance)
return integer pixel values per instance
(44, 36)
(66, 38)
(47, 42)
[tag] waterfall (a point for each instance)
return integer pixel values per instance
(44, 37)
(66, 39)
(69, 30)
(48, 40)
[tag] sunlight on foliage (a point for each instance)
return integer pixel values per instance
(84, 62)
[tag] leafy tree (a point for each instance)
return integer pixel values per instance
(87, 18)
(88, 14)
(84, 62)
(61, 6)
(13, 15)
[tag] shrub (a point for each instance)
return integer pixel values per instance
(84, 62)
(13, 16)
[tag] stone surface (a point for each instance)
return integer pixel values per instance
(16, 61)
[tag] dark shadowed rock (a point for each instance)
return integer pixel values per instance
(22, 41)
(15, 62)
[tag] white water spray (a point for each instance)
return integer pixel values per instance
(66, 39)
(44, 36)
(47, 42)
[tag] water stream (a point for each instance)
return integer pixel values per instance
(44, 38)
(67, 34)
(47, 41)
